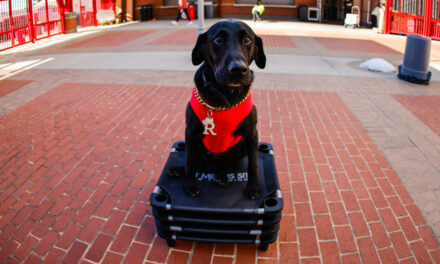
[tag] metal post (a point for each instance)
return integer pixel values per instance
(428, 18)
(201, 17)
(47, 20)
(31, 21)
(95, 20)
(368, 12)
(387, 18)
(11, 24)
(61, 10)
(319, 5)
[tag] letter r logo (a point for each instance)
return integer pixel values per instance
(209, 126)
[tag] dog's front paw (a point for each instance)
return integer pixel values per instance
(252, 191)
(192, 189)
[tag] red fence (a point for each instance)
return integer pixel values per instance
(435, 29)
(92, 12)
(417, 17)
(23, 21)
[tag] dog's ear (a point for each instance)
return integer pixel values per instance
(198, 55)
(259, 56)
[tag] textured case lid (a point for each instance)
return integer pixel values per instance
(214, 198)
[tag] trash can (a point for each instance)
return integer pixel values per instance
(415, 67)
(146, 12)
(209, 10)
(70, 22)
(303, 12)
(142, 13)
(149, 11)
(192, 11)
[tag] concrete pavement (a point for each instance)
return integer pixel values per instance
(86, 125)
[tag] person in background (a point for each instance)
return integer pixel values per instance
(183, 8)
(375, 15)
(380, 17)
(257, 10)
(348, 4)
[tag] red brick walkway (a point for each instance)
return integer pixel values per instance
(189, 37)
(8, 86)
(276, 41)
(179, 37)
(426, 108)
(78, 165)
(358, 45)
(109, 39)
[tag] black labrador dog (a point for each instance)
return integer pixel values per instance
(220, 117)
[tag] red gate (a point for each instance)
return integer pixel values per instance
(417, 17)
(87, 14)
(86, 10)
(47, 19)
(22, 22)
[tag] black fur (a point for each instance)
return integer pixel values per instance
(226, 51)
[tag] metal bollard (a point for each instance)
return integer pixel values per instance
(416, 60)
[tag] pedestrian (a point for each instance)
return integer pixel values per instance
(375, 15)
(183, 8)
(257, 11)
(348, 4)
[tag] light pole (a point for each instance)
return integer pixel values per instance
(201, 17)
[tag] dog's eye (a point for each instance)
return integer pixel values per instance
(218, 40)
(247, 40)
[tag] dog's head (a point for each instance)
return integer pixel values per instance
(228, 48)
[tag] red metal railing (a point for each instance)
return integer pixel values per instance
(402, 23)
(87, 13)
(87, 19)
(435, 29)
(423, 21)
(47, 19)
(22, 22)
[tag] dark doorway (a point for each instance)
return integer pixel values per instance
(331, 11)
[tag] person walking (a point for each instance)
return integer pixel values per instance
(183, 8)
(257, 11)
(348, 5)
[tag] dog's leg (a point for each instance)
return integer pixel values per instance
(248, 130)
(220, 169)
(192, 156)
(253, 187)
(193, 151)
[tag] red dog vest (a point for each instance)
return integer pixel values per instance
(221, 125)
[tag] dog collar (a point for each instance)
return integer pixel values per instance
(218, 108)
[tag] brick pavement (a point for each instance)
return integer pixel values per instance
(9, 86)
(109, 39)
(426, 108)
(80, 154)
(354, 45)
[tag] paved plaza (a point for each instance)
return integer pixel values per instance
(87, 121)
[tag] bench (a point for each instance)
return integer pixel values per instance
(105, 16)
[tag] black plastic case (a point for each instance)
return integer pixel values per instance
(218, 214)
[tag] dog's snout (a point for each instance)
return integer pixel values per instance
(237, 67)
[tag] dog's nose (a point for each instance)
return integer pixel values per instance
(237, 67)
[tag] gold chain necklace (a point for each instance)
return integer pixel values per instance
(218, 108)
